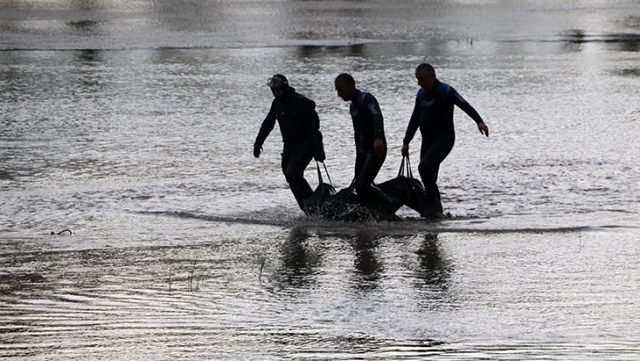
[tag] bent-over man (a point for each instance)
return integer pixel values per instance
(300, 128)
(371, 144)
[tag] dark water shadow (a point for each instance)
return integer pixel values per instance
(434, 268)
(85, 26)
(367, 265)
(90, 57)
(298, 260)
(433, 274)
(617, 41)
(89, 77)
(627, 72)
(372, 50)
(12, 283)
(4, 175)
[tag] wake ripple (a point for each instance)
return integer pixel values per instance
(408, 225)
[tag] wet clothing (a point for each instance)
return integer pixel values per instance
(295, 160)
(298, 121)
(431, 155)
(367, 121)
(367, 167)
(433, 114)
(300, 128)
(367, 127)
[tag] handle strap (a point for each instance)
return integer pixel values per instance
(401, 170)
(409, 172)
(320, 173)
(405, 167)
(327, 172)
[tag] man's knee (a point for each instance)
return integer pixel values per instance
(293, 176)
(427, 167)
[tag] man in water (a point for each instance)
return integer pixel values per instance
(433, 113)
(371, 145)
(300, 128)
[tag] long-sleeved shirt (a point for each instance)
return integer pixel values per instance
(298, 121)
(433, 113)
(368, 123)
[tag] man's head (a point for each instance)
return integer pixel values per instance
(426, 75)
(278, 84)
(345, 86)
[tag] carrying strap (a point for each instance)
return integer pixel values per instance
(320, 173)
(405, 168)
(401, 170)
(409, 172)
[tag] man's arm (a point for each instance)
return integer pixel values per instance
(315, 135)
(470, 111)
(267, 126)
(414, 123)
(378, 124)
(376, 114)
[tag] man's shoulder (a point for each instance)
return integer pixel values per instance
(444, 89)
(303, 99)
(369, 97)
(362, 98)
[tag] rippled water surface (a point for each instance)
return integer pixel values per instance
(131, 125)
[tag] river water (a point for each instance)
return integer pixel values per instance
(131, 124)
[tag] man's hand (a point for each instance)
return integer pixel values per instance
(378, 147)
(484, 129)
(256, 151)
(405, 150)
(320, 157)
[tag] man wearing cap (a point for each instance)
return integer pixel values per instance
(371, 144)
(433, 114)
(300, 128)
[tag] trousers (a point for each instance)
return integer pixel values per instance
(368, 165)
(432, 153)
(295, 160)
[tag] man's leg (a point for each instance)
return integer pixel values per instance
(367, 194)
(431, 155)
(294, 162)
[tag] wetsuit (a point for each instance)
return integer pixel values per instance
(300, 128)
(433, 113)
(367, 127)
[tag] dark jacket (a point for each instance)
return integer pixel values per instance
(367, 121)
(433, 113)
(298, 121)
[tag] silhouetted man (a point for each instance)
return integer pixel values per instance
(371, 145)
(433, 114)
(300, 128)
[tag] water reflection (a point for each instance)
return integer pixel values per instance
(433, 272)
(90, 77)
(368, 267)
(574, 39)
(12, 283)
(625, 42)
(89, 57)
(375, 50)
(85, 26)
(627, 72)
(298, 260)
(311, 51)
